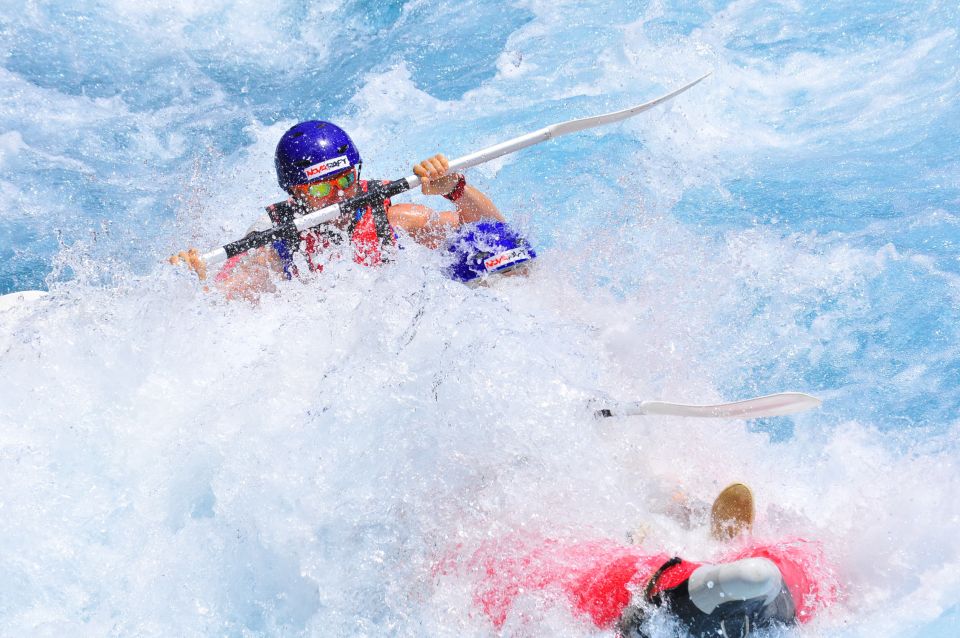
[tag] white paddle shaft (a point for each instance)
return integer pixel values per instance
(779, 404)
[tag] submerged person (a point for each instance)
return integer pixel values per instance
(318, 165)
(750, 586)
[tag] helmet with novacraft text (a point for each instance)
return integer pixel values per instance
(313, 150)
(486, 248)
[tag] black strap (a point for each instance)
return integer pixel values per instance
(652, 583)
(282, 214)
(384, 231)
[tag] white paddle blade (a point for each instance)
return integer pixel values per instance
(556, 130)
(598, 120)
(779, 404)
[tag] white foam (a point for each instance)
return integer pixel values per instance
(177, 465)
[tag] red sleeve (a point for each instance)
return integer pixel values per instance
(596, 577)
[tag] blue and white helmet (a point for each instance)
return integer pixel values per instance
(313, 150)
(486, 248)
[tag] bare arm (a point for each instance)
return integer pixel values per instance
(425, 225)
(246, 277)
(473, 205)
(429, 227)
(251, 276)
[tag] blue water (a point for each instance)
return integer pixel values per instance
(174, 464)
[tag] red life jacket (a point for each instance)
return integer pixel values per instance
(599, 576)
(369, 233)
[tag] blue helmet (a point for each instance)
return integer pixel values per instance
(486, 248)
(311, 151)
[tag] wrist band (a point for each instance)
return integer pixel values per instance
(457, 191)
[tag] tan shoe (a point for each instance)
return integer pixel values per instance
(732, 512)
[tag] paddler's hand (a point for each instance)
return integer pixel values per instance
(434, 179)
(193, 261)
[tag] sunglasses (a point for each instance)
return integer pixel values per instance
(324, 188)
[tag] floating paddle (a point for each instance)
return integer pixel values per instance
(291, 227)
(770, 405)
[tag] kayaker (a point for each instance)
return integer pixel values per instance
(318, 165)
(749, 585)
